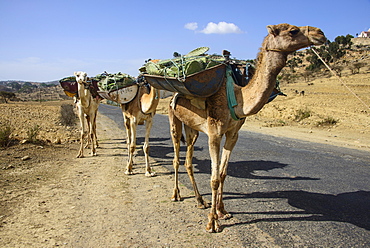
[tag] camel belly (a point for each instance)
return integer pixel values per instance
(190, 115)
(214, 119)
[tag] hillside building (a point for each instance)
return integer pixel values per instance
(364, 34)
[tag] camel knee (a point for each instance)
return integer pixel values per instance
(189, 167)
(215, 183)
(132, 148)
(84, 133)
(176, 134)
(146, 148)
(176, 163)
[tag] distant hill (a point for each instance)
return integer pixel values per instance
(34, 91)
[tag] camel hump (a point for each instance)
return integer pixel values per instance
(149, 102)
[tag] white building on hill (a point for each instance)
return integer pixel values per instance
(364, 34)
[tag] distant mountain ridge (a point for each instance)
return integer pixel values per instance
(6, 82)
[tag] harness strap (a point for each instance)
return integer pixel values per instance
(231, 99)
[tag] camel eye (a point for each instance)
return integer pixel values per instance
(294, 32)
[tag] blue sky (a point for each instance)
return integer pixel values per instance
(45, 40)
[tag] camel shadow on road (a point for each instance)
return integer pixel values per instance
(349, 207)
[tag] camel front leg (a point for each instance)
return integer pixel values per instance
(191, 138)
(94, 129)
(176, 133)
(231, 139)
(148, 127)
(131, 144)
(92, 134)
(214, 142)
(83, 132)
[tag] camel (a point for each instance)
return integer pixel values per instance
(87, 108)
(215, 120)
(141, 109)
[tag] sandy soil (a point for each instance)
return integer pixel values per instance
(324, 99)
(49, 198)
(54, 199)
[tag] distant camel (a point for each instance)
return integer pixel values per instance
(87, 107)
(141, 109)
(216, 120)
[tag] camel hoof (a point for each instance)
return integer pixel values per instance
(224, 216)
(202, 204)
(213, 223)
(129, 173)
(213, 227)
(176, 195)
(150, 174)
(80, 156)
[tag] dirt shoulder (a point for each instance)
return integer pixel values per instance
(64, 201)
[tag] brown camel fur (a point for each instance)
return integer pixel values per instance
(216, 120)
(87, 108)
(141, 108)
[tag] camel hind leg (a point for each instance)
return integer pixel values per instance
(148, 127)
(131, 124)
(191, 138)
(176, 133)
(94, 129)
(88, 142)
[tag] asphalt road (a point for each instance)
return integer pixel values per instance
(302, 194)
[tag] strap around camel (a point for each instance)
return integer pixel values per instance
(231, 99)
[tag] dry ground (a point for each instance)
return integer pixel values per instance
(53, 199)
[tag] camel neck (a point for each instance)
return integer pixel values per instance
(255, 95)
(84, 95)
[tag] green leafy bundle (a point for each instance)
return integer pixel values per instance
(118, 80)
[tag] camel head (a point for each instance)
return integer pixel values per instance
(81, 77)
(288, 38)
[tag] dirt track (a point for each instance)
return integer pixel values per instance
(90, 202)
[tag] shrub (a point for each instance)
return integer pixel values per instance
(32, 133)
(328, 121)
(67, 115)
(302, 114)
(5, 132)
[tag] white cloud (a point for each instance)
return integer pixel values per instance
(221, 28)
(191, 25)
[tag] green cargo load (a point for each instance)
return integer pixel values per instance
(108, 82)
(183, 66)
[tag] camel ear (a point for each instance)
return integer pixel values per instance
(272, 29)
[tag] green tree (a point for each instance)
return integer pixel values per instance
(330, 52)
(6, 95)
(15, 86)
(344, 41)
(315, 62)
(293, 63)
(27, 87)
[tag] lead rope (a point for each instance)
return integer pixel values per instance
(327, 66)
